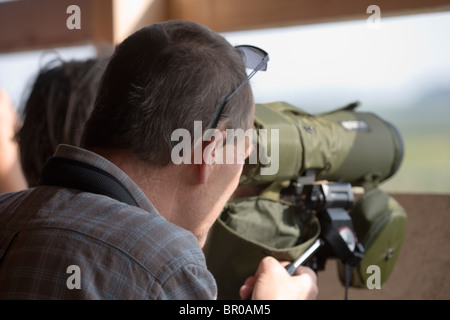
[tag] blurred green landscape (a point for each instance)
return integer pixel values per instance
(425, 128)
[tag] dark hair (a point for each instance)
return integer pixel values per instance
(162, 78)
(60, 101)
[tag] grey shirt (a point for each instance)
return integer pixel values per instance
(61, 243)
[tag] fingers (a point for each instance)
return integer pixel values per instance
(284, 263)
(301, 270)
(247, 289)
(272, 281)
(307, 278)
(306, 270)
(268, 264)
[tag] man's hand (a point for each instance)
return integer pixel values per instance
(273, 282)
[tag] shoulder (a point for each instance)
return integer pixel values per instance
(170, 254)
(145, 236)
(122, 251)
(167, 261)
(163, 260)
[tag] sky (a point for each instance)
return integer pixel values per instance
(323, 66)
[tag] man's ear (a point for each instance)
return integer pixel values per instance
(212, 154)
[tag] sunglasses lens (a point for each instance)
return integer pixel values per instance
(252, 57)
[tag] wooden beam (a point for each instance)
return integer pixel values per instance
(36, 24)
(33, 24)
(39, 24)
(102, 28)
(232, 15)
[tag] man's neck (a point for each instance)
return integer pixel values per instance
(159, 184)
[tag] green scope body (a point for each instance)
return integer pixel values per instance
(341, 145)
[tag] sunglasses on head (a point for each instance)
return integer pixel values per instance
(254, 58)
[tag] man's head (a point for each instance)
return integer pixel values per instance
(166, 77)
(162, 78)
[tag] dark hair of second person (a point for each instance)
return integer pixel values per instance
(59, 103)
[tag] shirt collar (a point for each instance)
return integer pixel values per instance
(92, 158)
